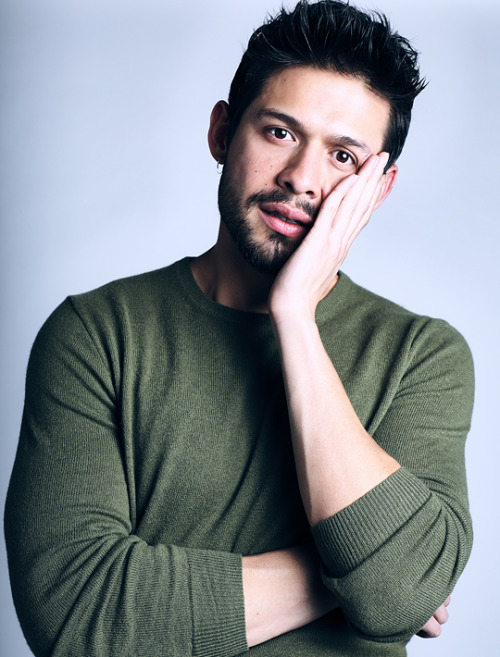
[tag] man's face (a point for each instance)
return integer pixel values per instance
(307, 131)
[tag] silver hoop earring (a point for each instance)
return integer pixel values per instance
(220, 167)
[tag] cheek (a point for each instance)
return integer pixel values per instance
(263, 170)
(253, 169)
(255, 174)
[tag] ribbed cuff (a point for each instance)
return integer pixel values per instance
(217, 604)
(346, 539)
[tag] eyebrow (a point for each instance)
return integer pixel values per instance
(294, 123)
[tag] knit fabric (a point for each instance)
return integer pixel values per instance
(155, 451)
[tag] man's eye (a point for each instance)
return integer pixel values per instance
(281, 134)
(342, 157)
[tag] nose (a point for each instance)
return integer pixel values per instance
(303, 173)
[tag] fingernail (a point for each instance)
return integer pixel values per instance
(384, 158)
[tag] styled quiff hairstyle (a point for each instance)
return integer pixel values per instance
(332, 36)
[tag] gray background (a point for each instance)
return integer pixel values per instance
(105, 172)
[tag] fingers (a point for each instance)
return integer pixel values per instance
(432, 628)
(352, 201)
(343, 214)
(355, 201)
(441, 614)
(371, 182)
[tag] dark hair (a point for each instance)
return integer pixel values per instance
(333, 36)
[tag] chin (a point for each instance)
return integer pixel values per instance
(268, 260)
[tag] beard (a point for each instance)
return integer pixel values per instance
(267, 256)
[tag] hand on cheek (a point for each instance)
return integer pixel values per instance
(312, 270)
(348, 208)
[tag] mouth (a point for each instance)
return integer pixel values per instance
(285, 220)
(287, 214)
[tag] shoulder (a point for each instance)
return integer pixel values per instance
(364, 307)
(369, 322)
(134, 291)
(126, 297)
(105, 316)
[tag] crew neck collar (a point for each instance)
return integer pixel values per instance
(332, 302)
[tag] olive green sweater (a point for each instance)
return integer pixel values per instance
(155, 451)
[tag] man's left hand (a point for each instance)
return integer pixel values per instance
(432, 628)
(311, 271)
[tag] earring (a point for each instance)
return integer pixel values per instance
(220, 167)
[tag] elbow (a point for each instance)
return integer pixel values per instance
(393, 599)
(392, 621)
(30, 610)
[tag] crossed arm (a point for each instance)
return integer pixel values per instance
(337, 461)
(71, 529)
(283, 591)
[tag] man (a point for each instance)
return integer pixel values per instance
(253, 401)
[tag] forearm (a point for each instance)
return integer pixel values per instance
(371, 517)
(337, 460)
(283, 591)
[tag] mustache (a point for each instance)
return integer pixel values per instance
(279, 196)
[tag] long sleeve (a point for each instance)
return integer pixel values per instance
(155, 450)
(393, 556)
(84, 581)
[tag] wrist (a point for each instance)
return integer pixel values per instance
(292, 309)
(294, 328)
(289, 303)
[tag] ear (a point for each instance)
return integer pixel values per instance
(387, 184)
(217, 132)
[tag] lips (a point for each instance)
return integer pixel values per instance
(286, 213)
(285, 220)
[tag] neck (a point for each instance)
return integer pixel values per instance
(225, 277)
